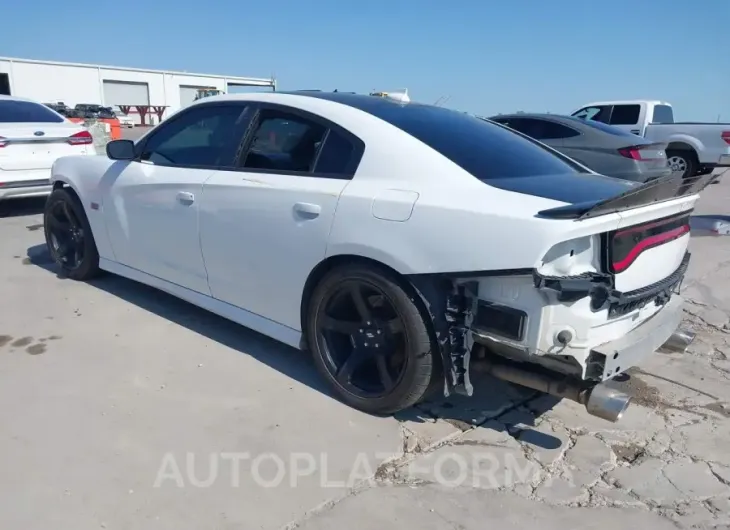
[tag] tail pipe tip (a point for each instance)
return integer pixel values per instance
(679, 341)
(607, 403)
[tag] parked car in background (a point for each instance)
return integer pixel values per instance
(382, 236)
(89, 110)
(63, 109)
(32, 138)
(124, 119)
(604, 149)
(693, 148)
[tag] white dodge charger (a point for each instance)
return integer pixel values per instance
(404, 245)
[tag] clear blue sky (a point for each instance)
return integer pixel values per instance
(488, 56)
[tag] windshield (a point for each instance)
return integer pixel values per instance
(14, 111)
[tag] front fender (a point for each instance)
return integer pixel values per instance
(83, 175)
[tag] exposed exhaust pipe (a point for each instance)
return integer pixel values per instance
(679, 341)
(599, 400)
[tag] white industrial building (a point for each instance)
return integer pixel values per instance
(111, 86)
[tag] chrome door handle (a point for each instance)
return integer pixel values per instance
(307, 210)
(185, 198)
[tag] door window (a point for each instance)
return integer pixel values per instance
(625, 115)
(518, 124)
(539, 129)
(284, 142)
(600, 113)
(549, 130)
(201, 137)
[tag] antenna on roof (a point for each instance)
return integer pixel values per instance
(440, 101)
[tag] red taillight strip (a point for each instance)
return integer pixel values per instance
(80, 138)
(647, 243)
(725, 136)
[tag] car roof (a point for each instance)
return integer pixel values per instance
(538, 115)
(626, 102)
(590, 130)
(16, 98)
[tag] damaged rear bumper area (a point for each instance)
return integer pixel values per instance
(492, 337)
(661, 331)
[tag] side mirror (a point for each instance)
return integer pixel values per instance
(120, 150)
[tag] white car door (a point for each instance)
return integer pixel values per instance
(265, 226)
(151, 204)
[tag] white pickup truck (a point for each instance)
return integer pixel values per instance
(693, 148)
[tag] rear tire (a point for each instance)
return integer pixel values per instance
(57, 238)
(683, 160)
(407, 353)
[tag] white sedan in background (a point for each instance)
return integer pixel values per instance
(124, 119)
(32, 138)
(403, 244)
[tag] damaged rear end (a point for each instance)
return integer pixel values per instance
(600, 300)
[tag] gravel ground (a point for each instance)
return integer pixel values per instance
(125, 408)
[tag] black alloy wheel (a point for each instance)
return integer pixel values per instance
(68, 236)
(370, 340)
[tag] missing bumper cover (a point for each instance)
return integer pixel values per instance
(600, 287)
(501, 320)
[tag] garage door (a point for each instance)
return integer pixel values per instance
(187, 94)
(125, 93)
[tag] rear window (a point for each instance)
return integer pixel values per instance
(13, 111)
(663, 114)
(603, 127)
(484, 149)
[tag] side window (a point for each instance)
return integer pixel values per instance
(625, 115)
(663, 114)
(556, 131)
(524, 125)
(284, 142)
(201, 137)
(337, 156)
(515, 123)
(600, 113)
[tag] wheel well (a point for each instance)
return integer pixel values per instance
(62, 185)
(329, 264)
(681, 146)
(325, 266)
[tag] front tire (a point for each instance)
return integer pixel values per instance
(68, 236)
(369, 339)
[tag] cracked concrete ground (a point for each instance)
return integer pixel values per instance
(124, 408)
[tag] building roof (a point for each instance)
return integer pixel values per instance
(252, 81)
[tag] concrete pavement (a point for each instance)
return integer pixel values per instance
(125, 408)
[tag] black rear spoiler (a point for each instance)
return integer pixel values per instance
(658, 190)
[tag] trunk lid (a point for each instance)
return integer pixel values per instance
(644, 231)
(35, 146)
(649, 156)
